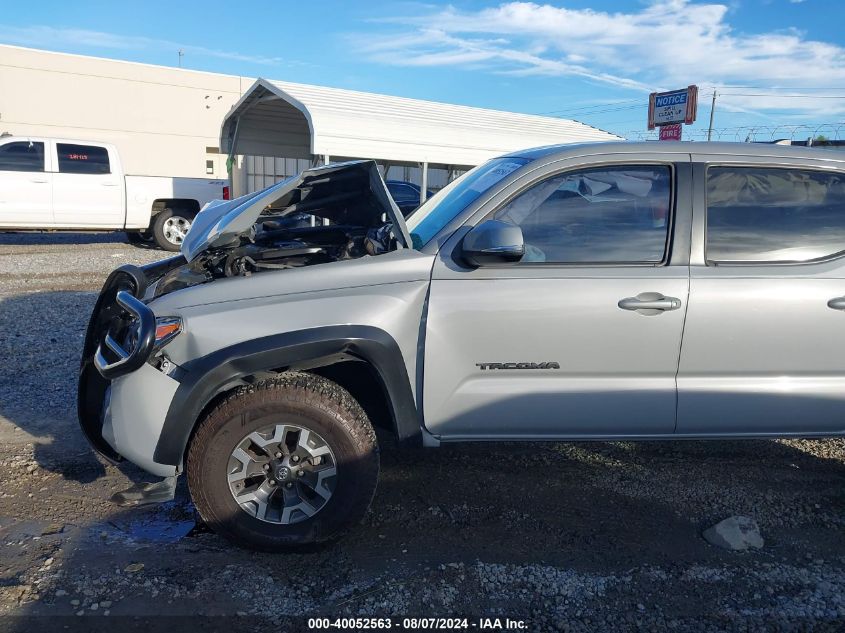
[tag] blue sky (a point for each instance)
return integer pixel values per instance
(774, 62)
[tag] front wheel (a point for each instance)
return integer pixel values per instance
(170, 228)
(287, 462)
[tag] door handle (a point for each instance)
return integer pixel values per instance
(837, 303)
(109, 184)
(650, 301)
(39, 181)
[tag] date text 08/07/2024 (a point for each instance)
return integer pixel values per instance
(414, 624)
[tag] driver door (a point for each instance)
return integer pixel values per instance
(561, 344)
(26, 184)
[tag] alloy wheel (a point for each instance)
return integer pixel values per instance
(282, 473)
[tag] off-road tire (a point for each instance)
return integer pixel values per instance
(158, 227)
(313, 402)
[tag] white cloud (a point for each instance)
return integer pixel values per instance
(47, 36)
(666, 44)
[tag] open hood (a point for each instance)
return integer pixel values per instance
(351, 193)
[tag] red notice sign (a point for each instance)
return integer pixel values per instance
(670, 132)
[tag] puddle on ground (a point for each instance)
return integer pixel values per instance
(15, 530)
(164, 523)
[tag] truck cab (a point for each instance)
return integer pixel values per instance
(52, 183)
(63, 184)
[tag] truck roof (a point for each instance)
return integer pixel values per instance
(572, 150)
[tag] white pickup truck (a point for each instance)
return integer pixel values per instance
(59, 184)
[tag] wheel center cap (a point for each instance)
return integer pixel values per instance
(282, 473)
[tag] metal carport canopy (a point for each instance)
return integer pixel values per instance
(275, 118)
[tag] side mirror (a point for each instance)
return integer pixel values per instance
(493, 242)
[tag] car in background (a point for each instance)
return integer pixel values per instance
(406, 195)
(61, 184)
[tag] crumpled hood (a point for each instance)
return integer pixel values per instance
(344, 193)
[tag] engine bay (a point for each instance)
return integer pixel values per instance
(327, 215)
(275, 248)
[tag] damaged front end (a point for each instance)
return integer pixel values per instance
(326, 214)
(119, 339)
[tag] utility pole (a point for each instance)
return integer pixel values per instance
(182, 54)
(712, 112)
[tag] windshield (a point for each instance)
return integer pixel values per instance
(438, 211)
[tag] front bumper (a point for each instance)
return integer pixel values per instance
(122, 406)
(134, 414)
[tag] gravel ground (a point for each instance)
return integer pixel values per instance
(570, 537)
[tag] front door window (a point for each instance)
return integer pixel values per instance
(603, 216)
(22, 156)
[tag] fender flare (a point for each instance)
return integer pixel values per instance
(206, 376)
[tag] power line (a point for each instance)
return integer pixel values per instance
(592, 112)
(625, 122)
(780, 96)
(731, 87)
(592, 107)
(636, 104)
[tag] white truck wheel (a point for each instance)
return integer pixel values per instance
(170, 228)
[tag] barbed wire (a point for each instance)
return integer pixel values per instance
(752, 133)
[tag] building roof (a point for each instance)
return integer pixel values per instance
(276, 118)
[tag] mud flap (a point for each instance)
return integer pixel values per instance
(146, 493)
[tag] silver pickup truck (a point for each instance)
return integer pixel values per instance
(581, 292)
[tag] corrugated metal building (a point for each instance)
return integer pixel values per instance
(167, 121)
(275, 118)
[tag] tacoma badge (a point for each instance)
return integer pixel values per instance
(546, 365)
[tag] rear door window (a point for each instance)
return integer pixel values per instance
(22, 156)
(83, 159)
(774, 215)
